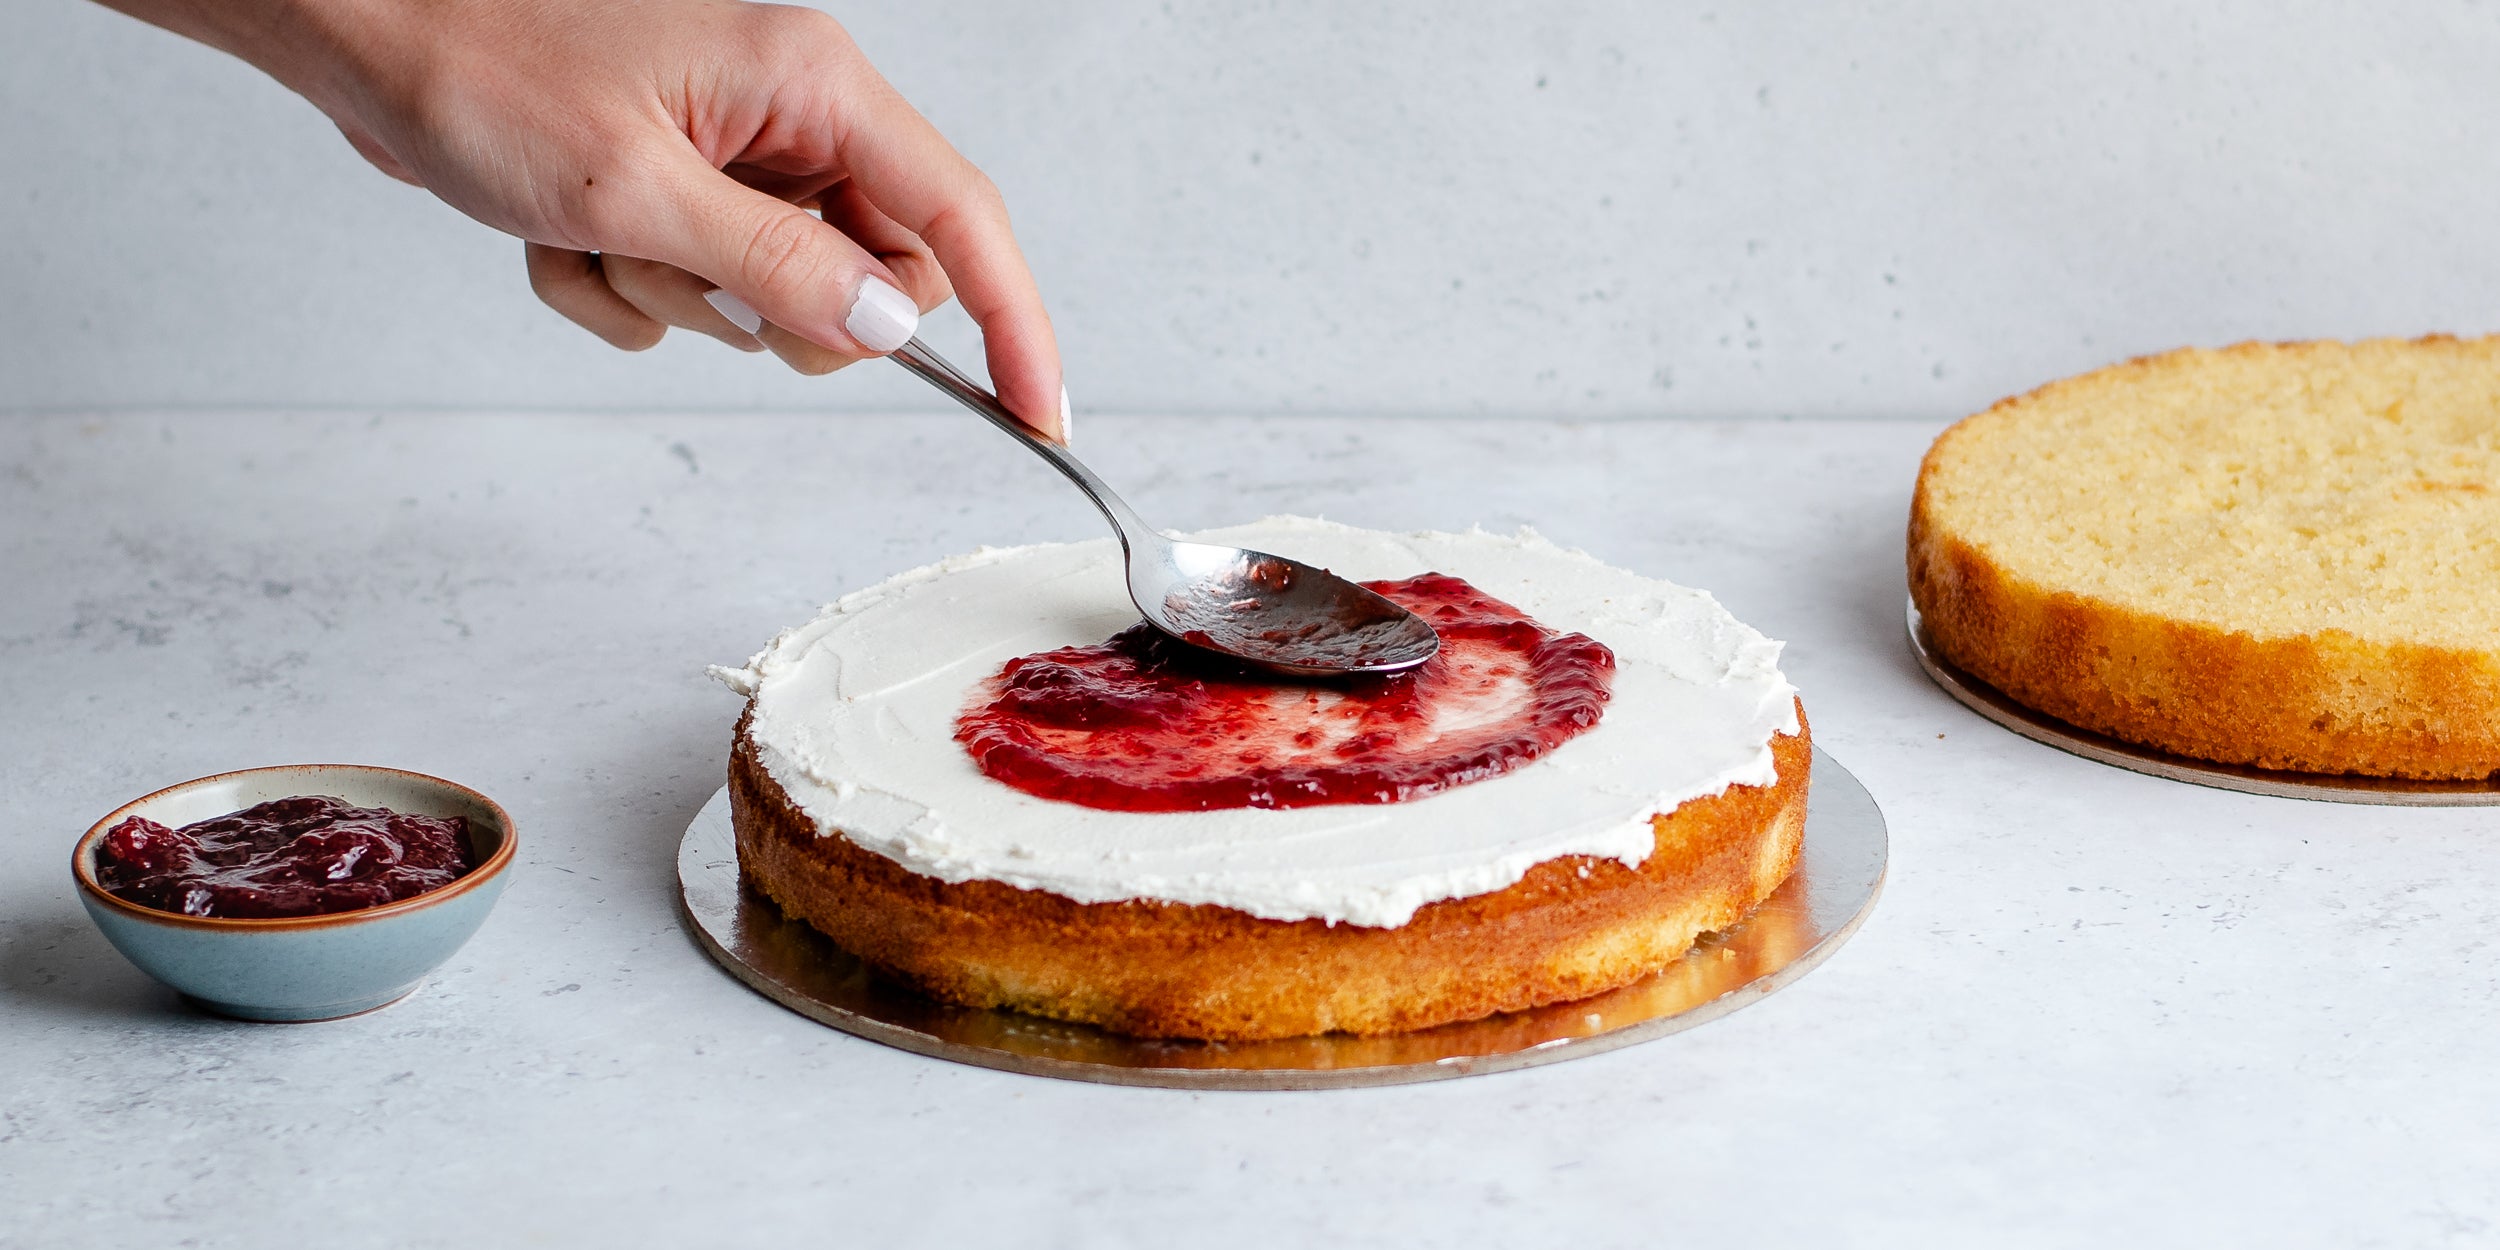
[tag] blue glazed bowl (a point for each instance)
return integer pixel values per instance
(303, 967)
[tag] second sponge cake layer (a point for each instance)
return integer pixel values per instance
(2282, 555)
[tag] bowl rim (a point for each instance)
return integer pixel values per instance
(81, 861)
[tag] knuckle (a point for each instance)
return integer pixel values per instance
(630, 277)
(546, 286)
(978, 203)
(794, 36)
(781, 253)
(976, 211)
(557, 277)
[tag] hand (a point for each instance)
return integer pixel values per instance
(649, 151)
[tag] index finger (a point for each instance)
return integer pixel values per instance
(912, 174)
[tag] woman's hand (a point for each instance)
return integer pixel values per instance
(650, 151)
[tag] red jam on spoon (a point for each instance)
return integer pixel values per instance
(310, 855)
(1141, 723)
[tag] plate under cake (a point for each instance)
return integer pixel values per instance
(1594, 865)
(2273, 555)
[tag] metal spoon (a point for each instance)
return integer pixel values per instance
(1267, 610)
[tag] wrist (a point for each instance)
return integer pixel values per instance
(327, 51)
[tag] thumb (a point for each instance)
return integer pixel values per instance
(797, 272)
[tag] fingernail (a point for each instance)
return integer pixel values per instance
(736, 310)
(881, 317)
(1067, 419)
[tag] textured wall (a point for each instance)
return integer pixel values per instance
(1534, 208)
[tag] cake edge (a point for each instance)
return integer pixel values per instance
(1573, 927)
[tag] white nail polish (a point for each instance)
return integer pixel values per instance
(1067, 419)
(881, 317)
(739, 314)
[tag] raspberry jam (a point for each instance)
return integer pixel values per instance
(305, 856)
(1141, 723)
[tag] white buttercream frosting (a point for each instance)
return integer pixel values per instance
(855, 713)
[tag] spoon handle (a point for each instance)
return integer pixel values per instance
(934, 369)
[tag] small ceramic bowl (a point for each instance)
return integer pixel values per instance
(303, 967)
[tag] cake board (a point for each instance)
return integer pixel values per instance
(1839, 874)
(2000, 707)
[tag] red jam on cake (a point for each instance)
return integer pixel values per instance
(310, 855)
(1141, 724)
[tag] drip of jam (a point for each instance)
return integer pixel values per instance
(305, 856)
(1142, 723)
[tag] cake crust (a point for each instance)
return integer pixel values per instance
(2326, 700)
(1572, 927)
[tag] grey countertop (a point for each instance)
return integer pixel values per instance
(2092, 1008)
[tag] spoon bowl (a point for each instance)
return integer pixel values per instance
(1279, 614)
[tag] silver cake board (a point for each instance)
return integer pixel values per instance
(1798, 927)
(2040, 727)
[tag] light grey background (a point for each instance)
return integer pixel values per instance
(1559, 209)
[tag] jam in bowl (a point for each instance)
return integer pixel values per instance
(299, 892)
(305, 855)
